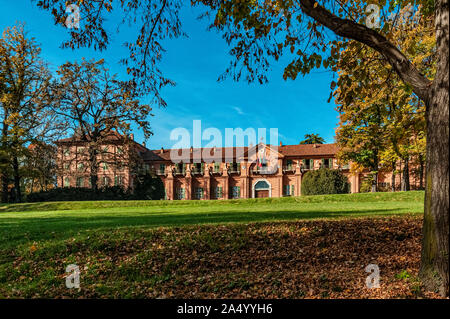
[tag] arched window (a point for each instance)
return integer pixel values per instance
(262, 185)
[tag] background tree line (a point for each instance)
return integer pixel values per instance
(382, 124)
(82, 99)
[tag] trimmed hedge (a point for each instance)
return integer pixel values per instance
(147, 187)
(325, 181)
(80, 194)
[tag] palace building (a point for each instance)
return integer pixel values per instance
(242, 172)
(215, 173)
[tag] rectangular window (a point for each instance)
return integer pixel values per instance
(289, 164)
(162, 168)
(118, 180)
(218, 192)
(80, 182)
(326, 163)
(66, 166)
(119, 150)
(308, 163)
(216, 167)
(66, 182)
(288, 190)
(235, 192)
(198, 193)
(105, 181)
(235, 167)
(80, 150)
(66, 152)
(105, 166)
(80, 167)
(180, 168)
(180, 193)
(197, 168)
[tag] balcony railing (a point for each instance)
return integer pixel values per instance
(216, 171)
(289, 169)
(234, 171)
(264, 170)
(179, 172)
(160, 172)
(197, 171)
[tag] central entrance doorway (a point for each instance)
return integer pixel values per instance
(262, 189)
(261, 193)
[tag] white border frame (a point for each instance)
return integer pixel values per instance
(258, 180)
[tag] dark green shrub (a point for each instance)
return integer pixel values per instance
(325, 181)
(149, 187)
(146, 187)
(80, 194)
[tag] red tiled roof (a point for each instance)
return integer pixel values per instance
(308, 149)
(157, 155)
(285, 150)
(112, 137)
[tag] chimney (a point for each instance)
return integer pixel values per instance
(162, 150)
(281, 143)
(315, 145)
(143, 144)
(132, 136)
(192, 149)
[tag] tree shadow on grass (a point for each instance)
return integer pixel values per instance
(18, 229)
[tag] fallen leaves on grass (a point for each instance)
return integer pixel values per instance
(304, 259)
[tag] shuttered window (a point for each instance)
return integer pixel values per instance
(199, 193)
(218, 192)
(235, 192)
(180, 193)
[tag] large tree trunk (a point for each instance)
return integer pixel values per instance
(393, 177)
(17, 179)
(5, 184)
(405, 176)
(434, 266)
(421, 170)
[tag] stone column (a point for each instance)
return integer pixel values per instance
(188, 182)
(298, 179)
(225, 182)
(280, 179)
(207, 182)
(170, 192)
(244, 180)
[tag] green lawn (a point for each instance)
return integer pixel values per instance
(38, 239)
(36, 221)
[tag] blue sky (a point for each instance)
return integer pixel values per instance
(295, 107)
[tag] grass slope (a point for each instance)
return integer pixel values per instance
(123, 250)
(21, 223)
